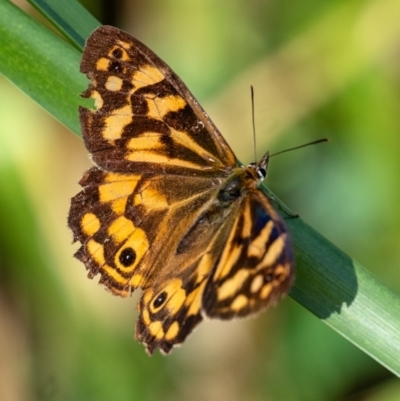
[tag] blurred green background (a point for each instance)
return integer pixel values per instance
(320, 69)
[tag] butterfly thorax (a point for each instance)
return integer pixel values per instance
(235, 186)
(242, 179)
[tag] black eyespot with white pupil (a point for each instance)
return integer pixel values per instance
(117, 53)
(160, 299)
(127, 257)
(115, 67)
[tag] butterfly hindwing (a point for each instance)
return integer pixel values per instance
(247, 266)
(256, 266)
(172, 306)
(129, 225)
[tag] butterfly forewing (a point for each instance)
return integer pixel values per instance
(146, 119)
(167, 209)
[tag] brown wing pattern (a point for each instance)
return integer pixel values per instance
(146, 119)
(129, 225)
(243, 264)
(256, 266)
(172, 305)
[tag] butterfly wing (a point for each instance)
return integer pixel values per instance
(146, 129)
(256, 265)
(145, 119)
(172, 306)
(246, 266)
(131, 225)
(136, 233)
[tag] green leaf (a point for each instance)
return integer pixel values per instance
(41, 64)
(346, 296)
(343, 294)
(70, 17)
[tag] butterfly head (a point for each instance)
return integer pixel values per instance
(260, 169)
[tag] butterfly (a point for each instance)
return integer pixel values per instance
(168, 208)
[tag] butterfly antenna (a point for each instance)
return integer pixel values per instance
(301, 146)
(254, 122)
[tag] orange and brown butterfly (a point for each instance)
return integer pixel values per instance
(168, 208)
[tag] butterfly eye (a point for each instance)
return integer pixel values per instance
(262, 173)
(127, 257)
(160, 299)
(268, 278)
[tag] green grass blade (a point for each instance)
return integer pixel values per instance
(343, 294)
(70, 17)
(329, 283)
(41, 64)
(346, 296)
